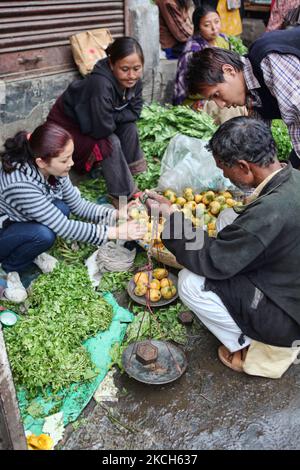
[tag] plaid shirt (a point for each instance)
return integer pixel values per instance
(282, 77)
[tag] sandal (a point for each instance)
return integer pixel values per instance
(235, 360)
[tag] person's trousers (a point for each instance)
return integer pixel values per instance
(125, 160)
(210, 310)
(22, 242)
(207, 305)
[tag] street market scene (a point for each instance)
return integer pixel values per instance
(149, 198)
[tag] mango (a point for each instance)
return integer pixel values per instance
(226, 194)
(230, 202)
(138, 211)
(154, 295)
(180, 201)
(208, 197)
(165, 282)
(160, 273)
(140, 289)
(198, 198)
(155, 284)
(188, 194)
(141, 278)
(221, 200)
(190, 205)
(215, 207)
(171, 195)
(168, 292)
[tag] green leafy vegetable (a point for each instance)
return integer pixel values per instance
(45, 346)
(282, 139)
(158, 124)
(91, 189)
(71, 251)
(237, 45)
(112, 282)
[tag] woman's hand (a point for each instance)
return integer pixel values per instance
(132, 230)
(122, 213)
(158, 204)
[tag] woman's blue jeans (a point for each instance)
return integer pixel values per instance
(21, 242)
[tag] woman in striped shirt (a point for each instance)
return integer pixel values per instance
(37, 196)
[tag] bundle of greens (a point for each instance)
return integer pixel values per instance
(149, 178)
(92, 188)
(158, 124)
(45, 346)
(282, 139)
(237, 45)
(71, 251)
(114, 282)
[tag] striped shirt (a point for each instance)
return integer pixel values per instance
(281, 74)
(26, 196)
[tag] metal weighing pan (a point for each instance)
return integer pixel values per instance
(143, 301)
(170, 365)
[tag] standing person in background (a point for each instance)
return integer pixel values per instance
(279, 10)
(175, 26)
(207, 27)
(230, 19)
(266, 80)
(104, 108)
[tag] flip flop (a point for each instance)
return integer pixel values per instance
(234, 360)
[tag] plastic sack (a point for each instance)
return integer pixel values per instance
(187, 163)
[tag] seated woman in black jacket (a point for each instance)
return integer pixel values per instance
(101, 111)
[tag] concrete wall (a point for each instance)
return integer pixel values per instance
(159, 73)
(252, 29)
(24, 104)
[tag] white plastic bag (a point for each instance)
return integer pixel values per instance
(187, 163)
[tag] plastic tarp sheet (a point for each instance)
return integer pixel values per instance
(74, 399)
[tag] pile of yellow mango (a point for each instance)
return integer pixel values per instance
(154, 285)
(202, 208)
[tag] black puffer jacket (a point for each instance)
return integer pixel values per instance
(254, 263)
(98, 103)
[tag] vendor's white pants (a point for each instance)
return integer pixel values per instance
(210, 309)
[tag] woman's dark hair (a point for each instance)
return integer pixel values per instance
(183, 4)
(212, 3)
(123, 47)
(243, 138)
(46, 142)
(205, 67)
(200, 12)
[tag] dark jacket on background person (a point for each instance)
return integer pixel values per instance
(280, 42)
(98, 103)
(254, 263)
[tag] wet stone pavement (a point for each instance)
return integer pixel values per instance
(209, 407)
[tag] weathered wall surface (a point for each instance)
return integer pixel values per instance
(25, 103)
